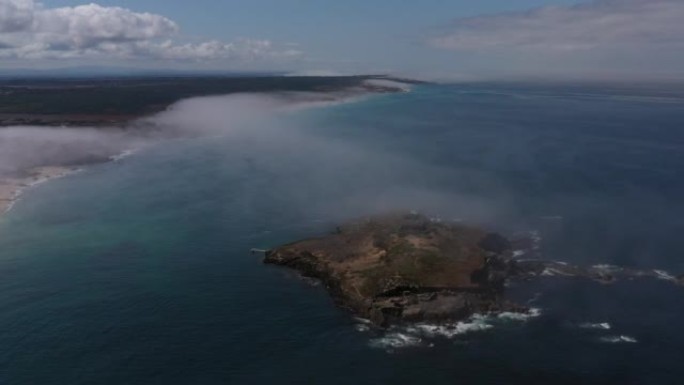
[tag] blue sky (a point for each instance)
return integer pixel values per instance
(300, 19)
(438, 38)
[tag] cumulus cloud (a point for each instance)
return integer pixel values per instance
(240, 49)
(29, 30)
(87, 26)
(595, 25)
(15, 15)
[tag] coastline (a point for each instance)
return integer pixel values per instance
(12, 188)
(73, 115)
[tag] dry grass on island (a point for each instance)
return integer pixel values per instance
(407, 268)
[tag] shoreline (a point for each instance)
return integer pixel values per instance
(12, 188)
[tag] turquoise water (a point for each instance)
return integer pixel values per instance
(138, 271)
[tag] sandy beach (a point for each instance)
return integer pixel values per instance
(12, 187)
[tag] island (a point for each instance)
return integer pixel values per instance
(409, 268)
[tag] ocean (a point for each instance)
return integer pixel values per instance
(138, 271)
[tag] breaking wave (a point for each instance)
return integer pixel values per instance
(423, 334)
(477, 323)
(395, 340)
(598, 326)
(121, 156)
(552, 272)
(532, 313)
(519, 253)
(664, 275)
(619, 340)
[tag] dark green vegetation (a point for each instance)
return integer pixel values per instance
(117, 100)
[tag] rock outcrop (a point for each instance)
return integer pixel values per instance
(407, 268)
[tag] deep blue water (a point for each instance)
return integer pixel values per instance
(138, 271)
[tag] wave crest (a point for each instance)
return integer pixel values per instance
(421, 334)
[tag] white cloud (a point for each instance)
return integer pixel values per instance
(241, 49)
(596, 25)
(87, 26)
(29, 30)
(15, 15)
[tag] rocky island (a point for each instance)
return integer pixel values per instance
(407, 268)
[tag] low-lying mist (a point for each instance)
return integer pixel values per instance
(291, 161)
(291, 156)
(323, 176)
(26, 147)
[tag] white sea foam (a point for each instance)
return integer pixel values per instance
(664, 275)
(16, 197)
(619, 340)
(534, 299)
(362, 328)
(395, 340)
(551, 272)
(599, 326)
(511, 316)
(518, 253)
(422, 333)
(121, 156)
(607, 268)
(363, 325)
(10, 206)
(477, 323)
